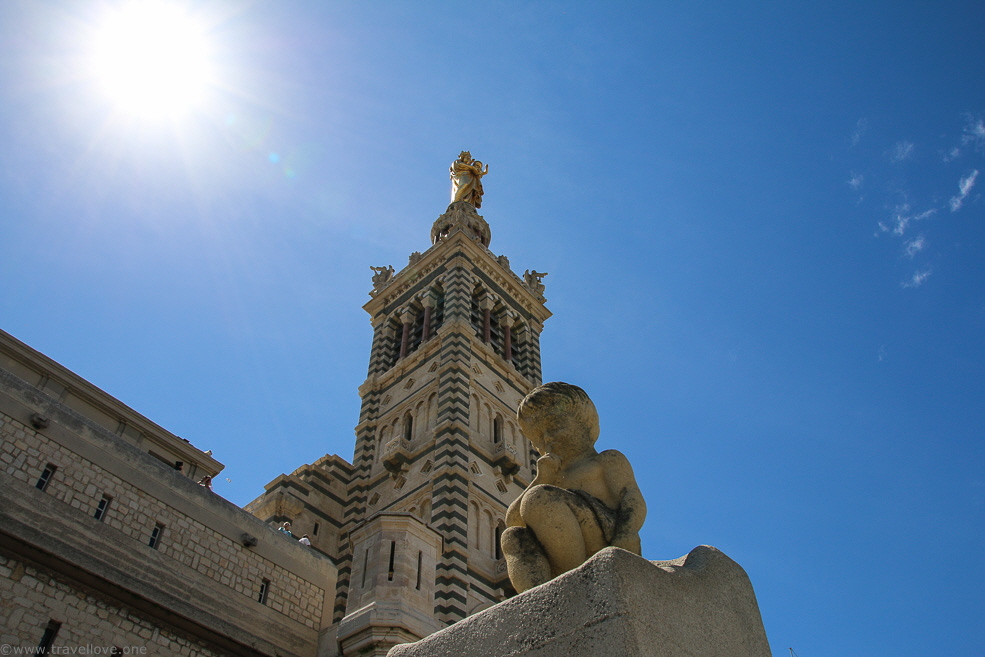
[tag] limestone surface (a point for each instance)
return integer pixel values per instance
(580, 501)
(621, 605)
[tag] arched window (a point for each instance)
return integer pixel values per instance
(408, 427)
(431, 413)
(474, 525)
(488, 531)
(497, 430)
(384, 439)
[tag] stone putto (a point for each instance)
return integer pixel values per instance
(580, 502)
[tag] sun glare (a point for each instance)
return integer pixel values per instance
(151, 58)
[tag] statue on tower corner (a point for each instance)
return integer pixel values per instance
(466, 179)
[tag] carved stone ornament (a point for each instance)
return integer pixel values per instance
(533, 279)
(39, 421)
(382, 276)
(463, 216)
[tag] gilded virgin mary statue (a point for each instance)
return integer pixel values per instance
(466, 179)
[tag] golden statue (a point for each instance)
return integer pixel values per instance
(466, 179)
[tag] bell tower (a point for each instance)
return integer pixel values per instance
(414, 523)
(456, 346)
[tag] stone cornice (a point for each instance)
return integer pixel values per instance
(475, 255)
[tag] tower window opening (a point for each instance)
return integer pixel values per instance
(264, 591)
(497, 430)
(393, 551)
(155, 536)
(46, 475)
(475, 314)
(102, 508)
(496, 334)
(391, 346)
(365, 566)
(314, 530)
(408, 427)
(420, 558)
(438, 314)
(48, 638)
(416, 330)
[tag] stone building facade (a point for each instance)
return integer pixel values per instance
(106, 546)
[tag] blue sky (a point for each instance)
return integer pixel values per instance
(763, 225)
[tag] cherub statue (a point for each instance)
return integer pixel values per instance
(580, 501)
(535, 281)
(381, 275)
(466, 179)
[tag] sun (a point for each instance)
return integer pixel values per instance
(151, 58)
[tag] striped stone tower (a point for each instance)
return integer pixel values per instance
(438, 454)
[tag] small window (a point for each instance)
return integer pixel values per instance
(48, 638)
(314, 530)
(365, 566)
(156, 535)
(420, 558)
(46, 475)
(102, 508)
(408, 427)
(393, 552)
(498, 430)
(264, 591)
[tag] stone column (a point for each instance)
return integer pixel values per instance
(407, 317)
(507, 324)
(429, 301)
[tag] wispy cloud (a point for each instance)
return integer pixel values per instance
(972, 136)
(965, 186)
(917, 279)
(915, 245)
(903, 150)
(860, 127)
(903, 216)
(909, 182)
(974, 132)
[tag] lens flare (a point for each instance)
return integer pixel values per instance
(152, 59)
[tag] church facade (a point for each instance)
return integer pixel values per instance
(107, 539)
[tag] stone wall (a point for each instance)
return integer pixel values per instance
(29, 597)
(196, 590)
(75, 394)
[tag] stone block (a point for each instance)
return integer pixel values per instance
(617, 604)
